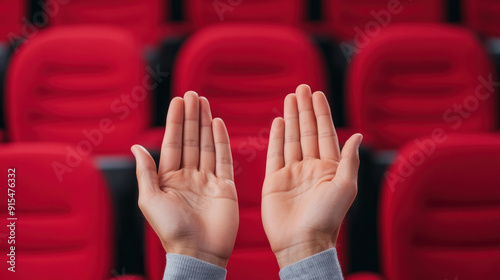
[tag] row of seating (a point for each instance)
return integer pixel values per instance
(439, 216)
(79, 83)
(147, 19)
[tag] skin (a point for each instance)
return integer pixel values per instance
(191, 201)
(309, 184)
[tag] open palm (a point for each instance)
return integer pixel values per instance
(191, 202)
(309, 185)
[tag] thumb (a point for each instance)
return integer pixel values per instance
(347, 172)
(145, 170)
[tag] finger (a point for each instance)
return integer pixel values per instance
(327, 136)
(275, 156)
(207, 149)
(293, 151)
(191, 136)
(347, 171)
(147, 177)
(171, 147)
(307, 122)
(223, 158)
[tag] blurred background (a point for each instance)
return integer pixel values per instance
(81, 81)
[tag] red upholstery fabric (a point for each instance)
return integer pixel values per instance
(11, 14)
(143, 18)
(83, 85)
(205, 12)
(413, 79)
(364, 276)
(155, 256)
(440, 214)
(348, 19)
(245, 71)
(63, 228)
(251, 248)
(483, 16)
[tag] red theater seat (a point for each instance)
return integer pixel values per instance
(440, 209)
(482, 16)
(11, 14)
(206, 12)
(143, 18)
(415, 80)
(245, 71)
(63, 228)
(85, 85)
(348, 19)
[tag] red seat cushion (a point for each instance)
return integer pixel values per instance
(83, 85)
(61, 225)
(413, 80)
(440, 209)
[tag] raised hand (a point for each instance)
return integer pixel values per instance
(309, 185)
(191, 202)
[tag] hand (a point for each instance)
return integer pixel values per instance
(191, 202)
(309, 185)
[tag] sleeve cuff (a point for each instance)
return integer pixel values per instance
(321, 266)
(181, 267)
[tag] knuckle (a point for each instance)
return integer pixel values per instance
(274, 154)
(207, 148)
(290, 139)
(308, 133)
(172, 145)
(225, 160)
(191, 143)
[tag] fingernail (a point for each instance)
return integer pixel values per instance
(132, 150)
(360, 139)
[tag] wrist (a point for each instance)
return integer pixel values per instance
(300, 251)
(201, 255)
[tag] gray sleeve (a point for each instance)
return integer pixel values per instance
(322, 266)
(180, 267)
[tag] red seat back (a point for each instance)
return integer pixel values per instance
(11, 14)
(360, 18)
(142, 18)
(483, 16)
(412, 80)
(61, 225)
(440, 209)
(206, 12)
(82, 85)
(245, 71)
